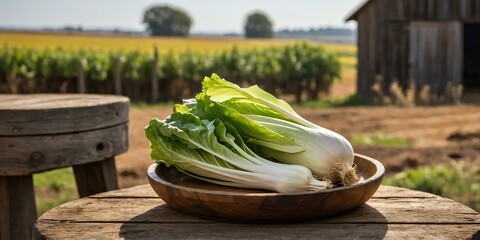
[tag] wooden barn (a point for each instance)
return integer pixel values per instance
(418, 41)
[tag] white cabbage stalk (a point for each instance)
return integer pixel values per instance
(326, 153)
(205, 150)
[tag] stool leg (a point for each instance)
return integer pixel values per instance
(17, 207)
(96, 177)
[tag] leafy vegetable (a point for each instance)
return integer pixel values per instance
(326, 153)
(205, 150)
(236, 137)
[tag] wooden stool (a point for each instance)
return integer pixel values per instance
(41, 132)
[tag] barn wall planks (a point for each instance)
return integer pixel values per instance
(390, 43)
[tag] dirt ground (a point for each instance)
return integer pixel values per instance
(439, 134)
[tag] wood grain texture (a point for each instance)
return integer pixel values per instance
(55, 230)
(22, 155)
(436, 54)
(396, 214)
(96, 177)
(17, 207)
(132, 192)
(45, 114)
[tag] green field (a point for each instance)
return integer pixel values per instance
(164, 44)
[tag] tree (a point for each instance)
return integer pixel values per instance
(167, 21)
(258, 26)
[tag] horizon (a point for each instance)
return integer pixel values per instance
(141, 31)
(46, 14)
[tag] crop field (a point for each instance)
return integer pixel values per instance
(108, 43)
(347, 52)
(130, 43)
(164, 44)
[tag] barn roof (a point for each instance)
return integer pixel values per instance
(354, 15)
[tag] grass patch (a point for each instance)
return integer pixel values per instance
(53, 188)
(458, 181)
(379, 140)
(350, 101)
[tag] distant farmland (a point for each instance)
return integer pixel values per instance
(127, 43)
(347, 52)
(165, 44)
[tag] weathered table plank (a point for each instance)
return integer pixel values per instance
(392, 210)
(55, 230)
(133, 192)
(393, 213)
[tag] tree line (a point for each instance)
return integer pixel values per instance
(303, 70)
(162, 20)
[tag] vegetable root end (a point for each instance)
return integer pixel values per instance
(350, 177)
(344, 175)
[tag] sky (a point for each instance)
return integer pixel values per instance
(209, 16)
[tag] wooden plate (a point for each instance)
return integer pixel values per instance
(217, 202)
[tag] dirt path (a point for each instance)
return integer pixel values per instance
(439, 135)
(426, 126)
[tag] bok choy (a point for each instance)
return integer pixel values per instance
(326, 153)
(213, 151)
(245, 137)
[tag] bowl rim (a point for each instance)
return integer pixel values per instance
(151, 173)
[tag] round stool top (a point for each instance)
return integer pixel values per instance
(39, 132)
(40, 114)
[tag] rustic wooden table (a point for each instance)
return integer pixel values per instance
(138, 213)
(40, 132)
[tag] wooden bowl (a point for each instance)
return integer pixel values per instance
(212, 201)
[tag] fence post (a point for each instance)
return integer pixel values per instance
(155, 75)
(80, 78)
(117, 76)
(13, 83)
